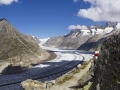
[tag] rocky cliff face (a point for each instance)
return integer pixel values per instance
(107, 67)
(74, 39)
(86, 39)
(18, 49)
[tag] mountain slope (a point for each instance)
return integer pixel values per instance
(69, 41)
(54, 41)
(18, 49)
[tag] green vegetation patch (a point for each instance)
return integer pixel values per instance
(87, 87)
(70, 74)
(64, 80)
(76, 70)
(84, 65)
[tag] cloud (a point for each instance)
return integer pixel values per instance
(73, 27)
(102, 10)
(76, 0)
(7, 2)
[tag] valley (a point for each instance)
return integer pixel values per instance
(59, 45)
(30, 57)
(50, 70)
(21, 54)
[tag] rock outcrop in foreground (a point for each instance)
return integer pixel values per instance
(107, 68)
(33, 85)
(17, 49)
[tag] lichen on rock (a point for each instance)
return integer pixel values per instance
(107, 66)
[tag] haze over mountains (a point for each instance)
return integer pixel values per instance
(84, 39)
(17, 49)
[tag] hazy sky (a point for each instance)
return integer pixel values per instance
(48, 18)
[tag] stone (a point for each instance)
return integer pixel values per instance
(49, 84)
(79, 65)
(33, 85)
(3, 65)
(98, 87)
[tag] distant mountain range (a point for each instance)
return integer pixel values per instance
(84, 39)
(17, 49)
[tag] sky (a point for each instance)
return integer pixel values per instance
(50, 18)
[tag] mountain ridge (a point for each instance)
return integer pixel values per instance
(78, 38)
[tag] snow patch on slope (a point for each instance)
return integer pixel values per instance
(43, 41)
(108, 29)
(93, 31)
(99, 31)
(85, 32)
(118, 26)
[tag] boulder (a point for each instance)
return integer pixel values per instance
(33, 85)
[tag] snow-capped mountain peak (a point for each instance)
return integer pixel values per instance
(107, 28)
(84, 38)
(85, 32)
